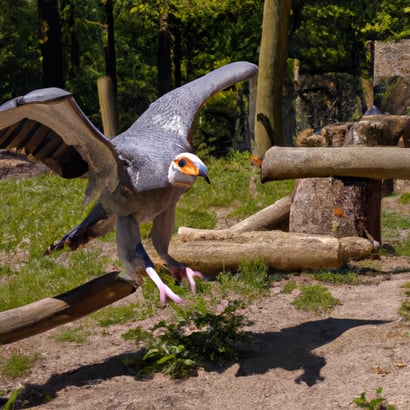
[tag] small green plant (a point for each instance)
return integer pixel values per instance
(18, 365)
(250, 282)
(11, 402)
(290, 286)
(315, 298)
(405, 198)
(378, 403)
(182, 347)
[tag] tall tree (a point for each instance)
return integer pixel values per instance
(110, 57)
(164, 55)
(51, 43)
(272, 68)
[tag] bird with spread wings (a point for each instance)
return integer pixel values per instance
(136, 177)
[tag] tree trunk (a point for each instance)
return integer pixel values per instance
(272, 68)
(164, 56)
(110, 55)
(51, 43)
(335, 206)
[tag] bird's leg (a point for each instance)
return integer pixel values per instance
(135, 259)
(161, 235)
(164, 290)
(97, 223)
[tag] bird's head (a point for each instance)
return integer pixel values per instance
(185, 169)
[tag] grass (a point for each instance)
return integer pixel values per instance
(315, 298)
(337, 277)
(251, 280)
(74, 335)
(17, 365)
(404, 309)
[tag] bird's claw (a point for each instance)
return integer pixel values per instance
(164, 290)
(190, 276)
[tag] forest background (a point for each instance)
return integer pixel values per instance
(150, 47)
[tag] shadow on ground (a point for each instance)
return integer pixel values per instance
(290, 348)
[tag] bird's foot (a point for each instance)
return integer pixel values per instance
(164, 290)
(190, 276)
(180, 272)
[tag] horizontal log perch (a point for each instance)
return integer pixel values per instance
(37, 317)
(213, 251)
(358, 161)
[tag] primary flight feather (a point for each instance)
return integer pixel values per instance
(137, 176)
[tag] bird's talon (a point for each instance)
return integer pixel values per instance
(191, 275)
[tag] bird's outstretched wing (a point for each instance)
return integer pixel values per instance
(163, 131)
(48, 125)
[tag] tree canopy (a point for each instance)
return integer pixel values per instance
(154, 45)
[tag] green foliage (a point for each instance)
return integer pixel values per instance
(378, 403)
(199, 340)
(315, 298)
(18, 365)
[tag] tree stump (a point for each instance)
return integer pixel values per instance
(336, 206)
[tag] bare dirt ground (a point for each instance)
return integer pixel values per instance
(299, 360)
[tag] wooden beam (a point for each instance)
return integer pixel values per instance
(42, 315)
(365, 162)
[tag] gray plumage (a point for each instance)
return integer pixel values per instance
(130, 175)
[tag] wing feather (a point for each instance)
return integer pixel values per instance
(163, 130)
(48, 125)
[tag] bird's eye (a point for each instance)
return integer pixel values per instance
(182, 163)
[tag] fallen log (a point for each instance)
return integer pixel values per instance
(274, 216)
(45, 314)
(355, 161)
(213, 251)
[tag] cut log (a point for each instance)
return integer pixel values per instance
(275, 216)
(37, 317)
(366, 162)
(217, 251)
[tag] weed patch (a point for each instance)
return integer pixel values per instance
(200, 340)
(315, 298)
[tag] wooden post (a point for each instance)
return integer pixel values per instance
(37, 317)
(107, 106)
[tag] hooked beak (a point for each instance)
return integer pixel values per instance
(203, 172)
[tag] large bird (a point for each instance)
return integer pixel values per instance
(137, 176)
